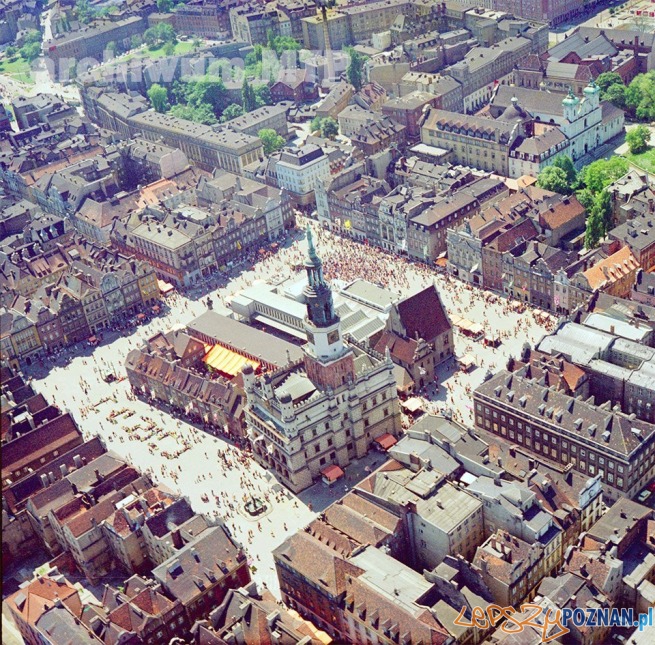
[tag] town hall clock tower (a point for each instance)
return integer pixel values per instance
(328, 360)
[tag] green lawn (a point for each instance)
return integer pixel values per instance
(181, 48)
(18, 69)
(645, 160)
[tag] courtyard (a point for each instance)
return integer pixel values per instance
(215, 476)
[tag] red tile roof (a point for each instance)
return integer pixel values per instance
(424, 315)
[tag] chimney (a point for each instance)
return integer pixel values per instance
(177, 539)
(272, 618)
(44, 480)
(64, 470)
(98, 475)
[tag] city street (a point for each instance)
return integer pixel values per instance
(198, 463)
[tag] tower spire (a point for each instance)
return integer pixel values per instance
(320, 308)
(311, 251)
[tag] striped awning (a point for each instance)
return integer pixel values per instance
(225, 360)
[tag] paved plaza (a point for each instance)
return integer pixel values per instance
(198, 465)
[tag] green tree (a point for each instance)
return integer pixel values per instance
(616, 95)
(84, 11)
(158, 96)
(164, 6)
(593, 231)
(151, 37)
(282, 44)
(602, 208)
(355, 69)
(566, 164)
(210, 90)
(315, 125)
(179, 91)
(271, 139)
(253, 57)
(30, 51)
(329, 128)
(586, 198)
(166, 33)
(640, 96)
(199, 114)
(607, 79)
(135, 41)
(197, 42)
(602, 173)
(111, 47)
(232, 111)
(554, 178)
(248, 98)
(262, 95)
(32, 36)
(169, 49)
(637, 139)
(10, 51)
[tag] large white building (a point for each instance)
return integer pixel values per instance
(300, 170)
(575, 126)
(326, 410)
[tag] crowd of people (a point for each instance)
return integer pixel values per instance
(228, 477)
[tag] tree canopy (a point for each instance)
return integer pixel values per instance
(566, 164)
(158, 96)
(329, 128)
(248, 98)
(607, 79)
(599, 220)
(355, 69)
(640, 96)
(271, 139)
(158, 35)
(555, 179)
(209, 90)
(199, 114)
(600, 174)
(232, 111)
(637, 139)
(593, 231)
(281, 44)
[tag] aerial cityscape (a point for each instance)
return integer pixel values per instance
(327, 322)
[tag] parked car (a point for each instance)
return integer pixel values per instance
(643, 496)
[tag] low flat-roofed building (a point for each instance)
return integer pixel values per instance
(447, 519)
(273, 117)
(281, 306)
(216, 329)
(622, 525)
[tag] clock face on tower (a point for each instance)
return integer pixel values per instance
(333, 337)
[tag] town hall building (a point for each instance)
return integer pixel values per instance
(312, 418)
